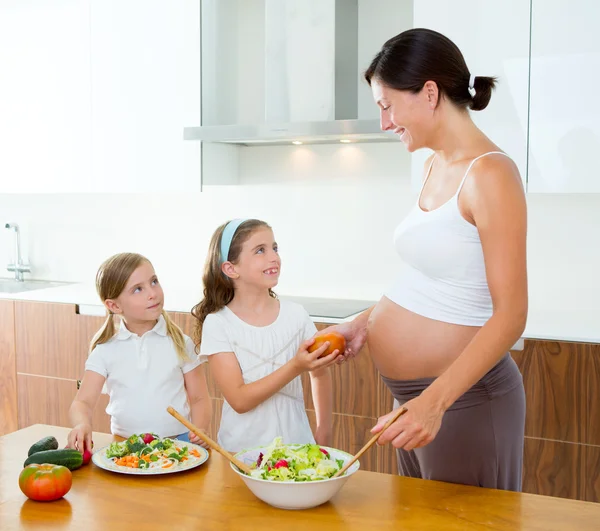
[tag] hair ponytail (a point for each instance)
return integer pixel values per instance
(105, 333)
(176, 335)
(483, 86)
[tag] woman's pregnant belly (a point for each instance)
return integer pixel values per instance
(406, 346)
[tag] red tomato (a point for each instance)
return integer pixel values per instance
(336, 341)
(45, 482)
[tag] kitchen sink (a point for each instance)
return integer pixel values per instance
(8, 285)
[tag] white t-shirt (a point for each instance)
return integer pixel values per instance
(260, 351)
(144, 376)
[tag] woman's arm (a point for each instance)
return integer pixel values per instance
(197, 393)
(497, 207)
(82, 409)
(322, 393)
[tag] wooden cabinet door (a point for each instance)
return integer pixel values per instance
(52, 343)
(562, 435)
(53, 339)
(8, 370)
(43, 400)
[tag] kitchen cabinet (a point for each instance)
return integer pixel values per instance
(562, 435)
(8, 370)
(96, 93)
(564, 135)
(45, 96)
(145, 87)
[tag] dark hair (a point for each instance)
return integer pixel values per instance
(218, 287)
(410, 59)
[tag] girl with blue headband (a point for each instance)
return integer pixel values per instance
(257, 346)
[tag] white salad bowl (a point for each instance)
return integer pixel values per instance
(294, 494)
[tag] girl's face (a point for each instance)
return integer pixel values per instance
(408, 115)
(259, 263)
(143, 297)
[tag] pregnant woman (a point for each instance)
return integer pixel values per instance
(441, 333)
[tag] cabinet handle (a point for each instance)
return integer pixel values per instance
(78, 384)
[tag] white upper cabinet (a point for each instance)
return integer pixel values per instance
(95, 95)
(44, 96)
(564, 140)
(494, 39)
(145, 70)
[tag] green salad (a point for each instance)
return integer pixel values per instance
(307, 462)
(148, 450)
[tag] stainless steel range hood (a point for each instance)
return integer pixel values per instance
(288, 133)
(307, 67)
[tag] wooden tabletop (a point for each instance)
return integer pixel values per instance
(214, 497)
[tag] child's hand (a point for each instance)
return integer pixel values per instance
(80, 438)
(197, 440)
(310, 361)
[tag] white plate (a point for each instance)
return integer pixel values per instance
(99, 459)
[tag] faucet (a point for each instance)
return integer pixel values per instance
(18, 266)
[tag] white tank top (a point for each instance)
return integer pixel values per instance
(445, 277)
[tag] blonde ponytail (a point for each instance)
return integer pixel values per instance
(176, 335)
(105, 333)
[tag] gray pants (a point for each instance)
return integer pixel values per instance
(481, 438)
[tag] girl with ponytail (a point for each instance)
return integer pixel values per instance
(141, 357)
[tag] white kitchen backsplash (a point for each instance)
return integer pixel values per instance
(333, 212)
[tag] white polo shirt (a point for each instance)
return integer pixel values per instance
(144, 376)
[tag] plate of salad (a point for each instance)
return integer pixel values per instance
(147, 454)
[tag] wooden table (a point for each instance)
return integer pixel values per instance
(213, 497)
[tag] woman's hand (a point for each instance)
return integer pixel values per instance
(415, 429)
(355, 336)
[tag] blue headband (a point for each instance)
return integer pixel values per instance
(227, 236)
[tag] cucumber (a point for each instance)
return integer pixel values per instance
(68, 457)
(47, 443)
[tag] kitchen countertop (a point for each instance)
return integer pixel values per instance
(176, 300)
(580, 325)
(214, 497)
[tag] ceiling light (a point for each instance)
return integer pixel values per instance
(296, 142)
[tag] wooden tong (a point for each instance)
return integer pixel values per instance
(243, 467)
(373, 440)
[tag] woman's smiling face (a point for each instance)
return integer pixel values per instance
(407, 114)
